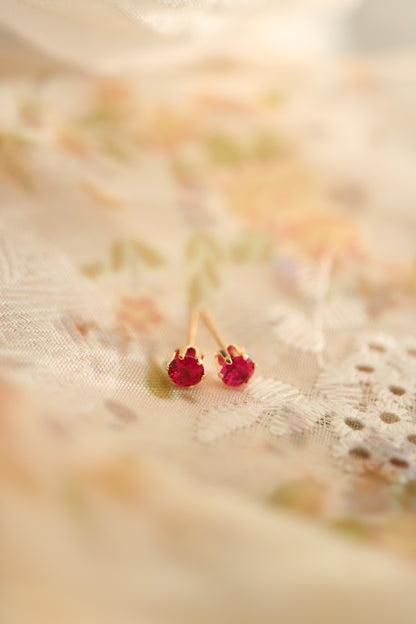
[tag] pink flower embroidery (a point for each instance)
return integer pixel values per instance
(137, 313)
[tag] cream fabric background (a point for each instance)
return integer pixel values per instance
(279, 191)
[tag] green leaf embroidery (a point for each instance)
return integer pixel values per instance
(205, 257)
(92, 270)
(117, 255)
(146, 253)
(197, 289)
(224, 150)
(254, 246)
(13, 159)
(212, 272)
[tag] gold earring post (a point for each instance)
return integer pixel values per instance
(193, 324)
(214, 331)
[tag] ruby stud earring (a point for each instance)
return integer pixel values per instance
(234, 365)
(186, 367)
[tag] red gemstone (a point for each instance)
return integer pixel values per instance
(238, 372)
(186, 371)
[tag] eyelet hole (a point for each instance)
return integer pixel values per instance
(364, 368)
(389, 418)
(354, 423)
(377, 347)
(359, 453)
(399, 463)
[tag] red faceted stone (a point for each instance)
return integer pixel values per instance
(187, 371)
(238, 372)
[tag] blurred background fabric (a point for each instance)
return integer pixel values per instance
(109, 35)
(256, 158)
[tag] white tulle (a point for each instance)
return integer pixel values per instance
(109, 35)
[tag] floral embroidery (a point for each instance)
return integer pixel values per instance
(137, 313)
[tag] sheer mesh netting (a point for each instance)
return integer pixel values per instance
(110, 35)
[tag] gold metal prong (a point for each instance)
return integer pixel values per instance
(182, 352)
(226, 356)
(237, 350)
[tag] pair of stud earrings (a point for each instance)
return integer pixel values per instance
(187, 368)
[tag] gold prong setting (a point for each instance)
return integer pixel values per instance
(239, 370)
(186, 367)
